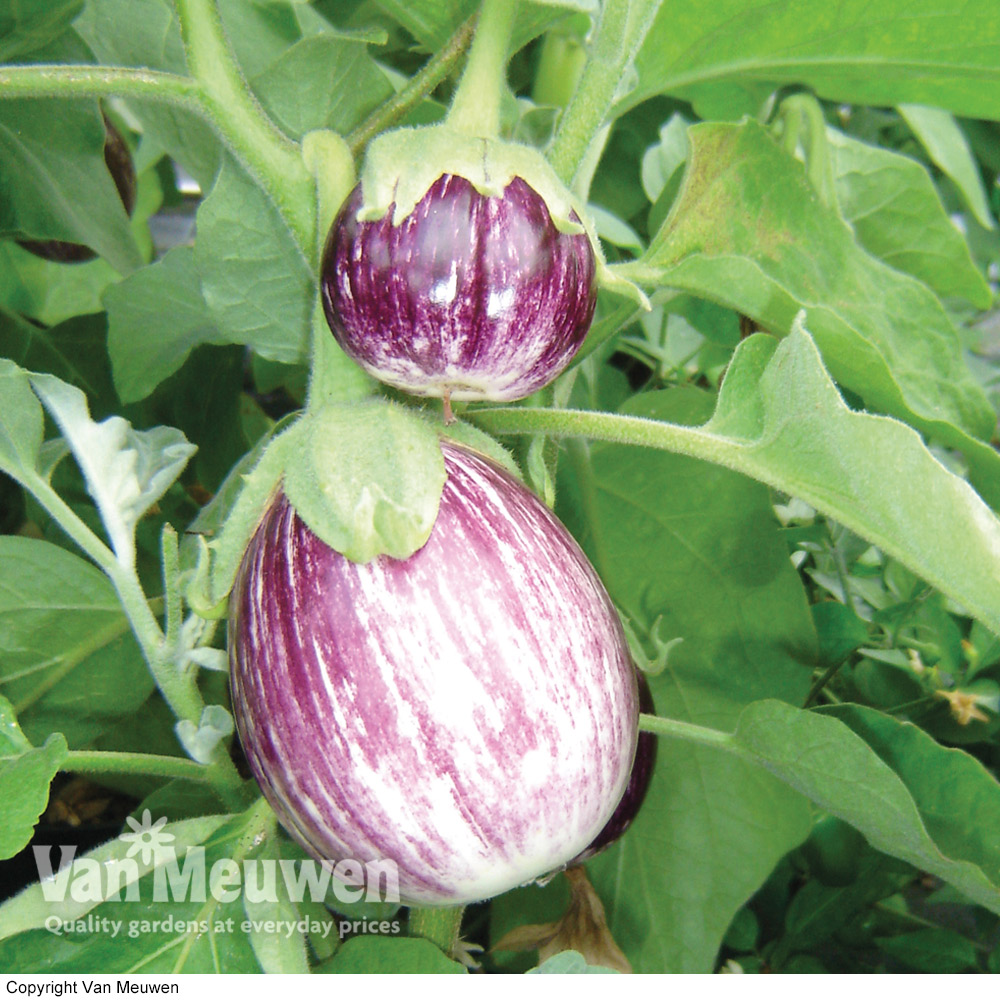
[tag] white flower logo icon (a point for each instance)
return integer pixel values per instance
(148, 838)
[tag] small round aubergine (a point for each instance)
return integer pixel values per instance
(471, 296)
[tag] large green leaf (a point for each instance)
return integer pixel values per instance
(50, 292)
(56, 183)
(781, 420)
(21, 422)
(322, 82)
(156, 317)
(727, 56)
(821, 757)
(26, 25)
(691, 551)
(258, 286)
(68, 660)
(126, 470)
(153, 40)
(958, 799)
(893, 207)
(749, 231)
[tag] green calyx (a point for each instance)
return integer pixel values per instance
(400, 167)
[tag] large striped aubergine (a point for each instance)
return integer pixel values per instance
(469, 713)
(470, 297)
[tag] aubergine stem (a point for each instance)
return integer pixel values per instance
(434, 71)
(449, 417)
(439, 924)
(617, 37)
(800, 119)
(475, 109)
(560, 64)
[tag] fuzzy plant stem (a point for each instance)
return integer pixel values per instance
(438, 924)
(476, 107)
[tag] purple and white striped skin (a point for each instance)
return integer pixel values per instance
(469, 297)
(469, 713)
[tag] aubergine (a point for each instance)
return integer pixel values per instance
(469, 713)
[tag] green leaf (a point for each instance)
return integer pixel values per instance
(947, 146)
(749, 232)
(798, 433)
(56, 183)
(244, 244)
(24, 790)
(728, 57)
(958, 798)
(372, 953)
(691, 551)
(12, 740)
(205, 400)
(156, 317)
(938, 951)
(893, 207)
(74, 351)
(366, 477)
(276, 952)
(661, 161)
(30, 908)
(322, 81)
(569, 962)
(126, 470)
(153, 40)
(21, 423)
(259, 32)
(162, 926)
(68, 659)
(432, 22)
(26, 25)
(781, 420)
(823, 759)
(818, 911)
(840, 631)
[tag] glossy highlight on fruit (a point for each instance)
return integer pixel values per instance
(118, 160)
(469, 713)
(469, 297)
